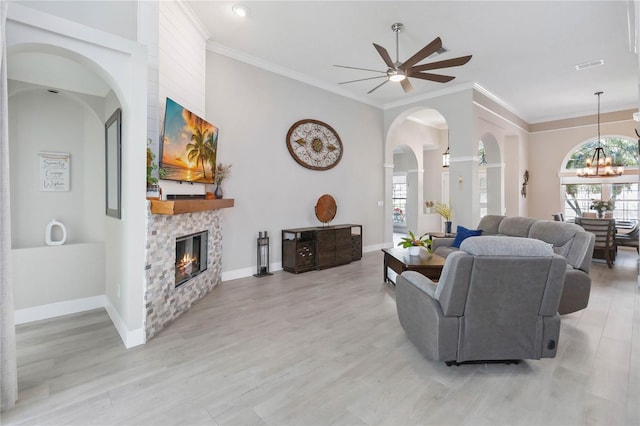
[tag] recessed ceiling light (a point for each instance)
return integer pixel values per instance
(240, 10)
(590, 64)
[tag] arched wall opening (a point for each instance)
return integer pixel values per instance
(417, 138)
(121, 65)
(47, 120)
(491, 177)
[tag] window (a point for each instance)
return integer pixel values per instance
(483, 191)
(625, 196)
(622, 190)
(399, 199)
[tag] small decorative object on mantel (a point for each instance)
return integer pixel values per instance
(447, 214)
(414, 243)
(525, 182)
(263, 255)
(326, 208)
(153, 190)
(222, 172)
(314, 144)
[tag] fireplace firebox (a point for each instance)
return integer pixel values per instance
(191, 256)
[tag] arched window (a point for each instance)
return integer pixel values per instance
(579, 193)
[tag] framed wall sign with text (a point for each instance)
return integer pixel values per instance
(54, 171)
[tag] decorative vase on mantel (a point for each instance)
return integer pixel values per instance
(447, 226)
(218, 192)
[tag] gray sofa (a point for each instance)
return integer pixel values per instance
(567, 239)
(497, 300)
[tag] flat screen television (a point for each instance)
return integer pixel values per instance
(189, 146)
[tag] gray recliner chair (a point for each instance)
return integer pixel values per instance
(497, 300)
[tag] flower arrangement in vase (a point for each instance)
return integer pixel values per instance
(222, 172)
(602, 206)
(447, 214)
(414, 243)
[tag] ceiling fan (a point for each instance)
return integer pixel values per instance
(400, 71)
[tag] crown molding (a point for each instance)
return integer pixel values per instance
(435, 94)
(195, 20)
(286, 72)
(481, 89)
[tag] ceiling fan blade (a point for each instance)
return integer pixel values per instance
(384, 82)
(361, 69)
(433, 77)
(363, 79)
(447, 63)
(385, 56)
(421, 54)
(406, 85)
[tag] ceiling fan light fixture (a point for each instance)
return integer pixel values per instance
(404, 72)
(240, 10)
(396, 76)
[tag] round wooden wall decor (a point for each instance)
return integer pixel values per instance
(314, 144)
(326, 208)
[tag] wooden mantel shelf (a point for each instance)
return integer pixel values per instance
(172, 207)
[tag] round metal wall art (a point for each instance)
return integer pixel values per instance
(314, 144)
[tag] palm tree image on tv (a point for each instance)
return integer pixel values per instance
(189, 146)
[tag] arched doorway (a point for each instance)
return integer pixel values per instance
(51, 116)
(405, 189)
(121, 65)
(417, 139)
(491, 176)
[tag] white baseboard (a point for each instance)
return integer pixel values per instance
(130, 338)
(247, 272)
(52, 310)
(376, 247)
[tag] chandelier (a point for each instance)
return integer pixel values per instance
(599, 165)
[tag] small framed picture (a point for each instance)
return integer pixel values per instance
(54, 170)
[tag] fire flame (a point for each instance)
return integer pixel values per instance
(186, 261)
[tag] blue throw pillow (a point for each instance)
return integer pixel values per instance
(463, 233)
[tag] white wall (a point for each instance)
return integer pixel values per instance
(254, 109)
(116, 17)
(181, 72)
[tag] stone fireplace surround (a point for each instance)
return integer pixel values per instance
(164, 302)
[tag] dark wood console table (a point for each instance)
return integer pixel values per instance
(305, 249)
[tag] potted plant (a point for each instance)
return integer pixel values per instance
(447, 214)
(414, 243)
(152, 180)
(222, 172)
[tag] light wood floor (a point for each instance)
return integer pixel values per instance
(325, 348)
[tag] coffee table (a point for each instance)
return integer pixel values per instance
(398, 260)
